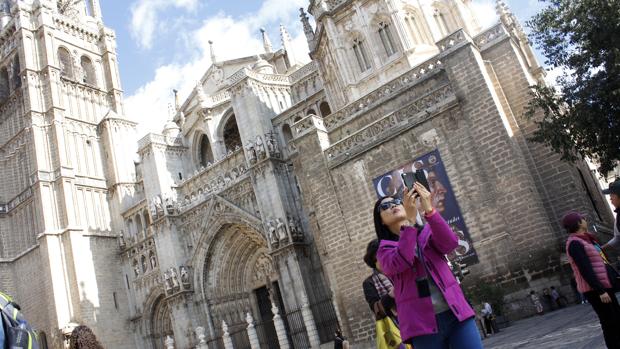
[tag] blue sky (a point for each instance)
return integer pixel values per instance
(162, 44)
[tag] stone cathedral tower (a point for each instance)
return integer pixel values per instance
(61, 126)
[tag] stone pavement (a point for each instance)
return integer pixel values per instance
(575, 327)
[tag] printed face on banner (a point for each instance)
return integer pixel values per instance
(442, 197)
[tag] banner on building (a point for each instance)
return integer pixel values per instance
(442, 196)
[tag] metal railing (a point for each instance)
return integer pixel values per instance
(325, 319)
(297, 329)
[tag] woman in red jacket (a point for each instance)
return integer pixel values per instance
(594, 275)
(432, 310)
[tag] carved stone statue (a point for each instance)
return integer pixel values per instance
(167, 282)
(136, 268)
(272, 144)
(153, 260)
(271, 229)
(159, 209)
(184, 276)
(299, 234)
(281, 229)
(200, 335)
(249, 319)
(174, 277)
(169, 342)
(121, 240)
(260, 148)
(251, 153)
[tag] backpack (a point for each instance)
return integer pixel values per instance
(15, 331)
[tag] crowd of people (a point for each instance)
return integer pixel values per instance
(417, 301)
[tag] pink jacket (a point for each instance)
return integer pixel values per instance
(598, 265)
(399, 261)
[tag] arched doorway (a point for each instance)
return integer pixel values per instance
(161, 324)
(238, 277)
(205, 154)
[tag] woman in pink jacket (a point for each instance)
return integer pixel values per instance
(432, 310)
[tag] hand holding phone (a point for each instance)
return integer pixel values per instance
(409, 179)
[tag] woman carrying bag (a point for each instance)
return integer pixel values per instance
(379, 293)
(433, 312)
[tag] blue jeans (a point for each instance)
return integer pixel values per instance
(452, 334)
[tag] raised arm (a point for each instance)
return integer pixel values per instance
(442, 238)
(396, 257)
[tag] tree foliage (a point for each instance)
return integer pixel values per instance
(581, 115)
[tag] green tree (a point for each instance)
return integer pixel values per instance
(581, 118)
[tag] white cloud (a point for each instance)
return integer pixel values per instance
(145, 18)
(485, 12)
(233, 38)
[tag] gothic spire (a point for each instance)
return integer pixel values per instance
(287, 45)
(266, 42)
(305, 21)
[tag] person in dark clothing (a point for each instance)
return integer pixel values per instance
(594, 275)
(378, 289)
(340, 342)
(614, 198)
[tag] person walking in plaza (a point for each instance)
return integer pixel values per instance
(558, 299)
(594, 275)
(536, 302)
(433, 312)
(489, 319)
(614, 196)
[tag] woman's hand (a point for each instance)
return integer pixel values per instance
(425, 197)
(605, 298)
(409, 203)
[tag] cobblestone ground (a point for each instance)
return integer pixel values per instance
(576, 327)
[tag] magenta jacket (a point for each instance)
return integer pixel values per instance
(399, 261)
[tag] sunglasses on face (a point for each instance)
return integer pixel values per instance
(388, 204)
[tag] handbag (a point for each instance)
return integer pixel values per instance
(388, 335)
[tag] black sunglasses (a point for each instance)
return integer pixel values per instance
(388, 204)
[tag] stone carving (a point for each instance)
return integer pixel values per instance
(201, 337)
(153, 260)
(281, 230)
(185, 281)
(260, 148)
(169, 342)
(429, 138)
(272, 144)
(136, 268)
(251, 153)
(249, 319)
(121, 241)
(174, 277)
(167, 282)
(271, 230)
(295, 227)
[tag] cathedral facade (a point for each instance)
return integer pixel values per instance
(243, 224)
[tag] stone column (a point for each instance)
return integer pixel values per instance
(313, 334)
(200, 336)
(228, 344)
(169, 342)
(254, 343)
(280, 329)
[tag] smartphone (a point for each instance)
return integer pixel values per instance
(420, 176)
(409, 179)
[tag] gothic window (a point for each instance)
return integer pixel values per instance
(4, 85)
(360, 55)
(147, 221)
(206, 155)
(385, 34)
(442, 22)
(416, 29)
(88, 71)
(17, 80)
(287, 133)
(153, 260)
(310, 112)
(297, 119)
(325, 109)
(140, 232)
(66, 63)
(136, 268)
(232, 139)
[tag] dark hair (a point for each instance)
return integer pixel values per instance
(382, 231)
(83, 337)
(370, 258)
